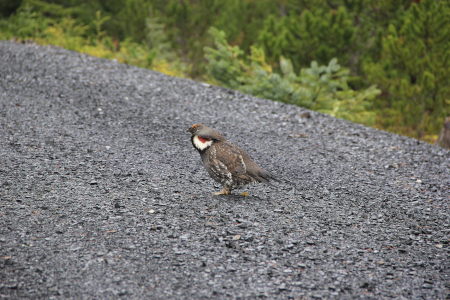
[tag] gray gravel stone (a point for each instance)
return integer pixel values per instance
(103, 196)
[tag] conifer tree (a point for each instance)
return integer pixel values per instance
(314, 35)
(322, 88)
(414, 70)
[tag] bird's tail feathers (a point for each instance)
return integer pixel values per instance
(266, 177)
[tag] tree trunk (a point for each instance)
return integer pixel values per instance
(444, 136)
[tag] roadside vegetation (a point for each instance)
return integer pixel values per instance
(385, 64)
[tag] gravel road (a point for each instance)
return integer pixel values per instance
(104, 197)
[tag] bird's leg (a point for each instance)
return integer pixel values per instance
(223, 192)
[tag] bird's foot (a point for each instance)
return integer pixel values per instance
(223, 192)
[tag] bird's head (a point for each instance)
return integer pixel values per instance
(203, 137)
(194, 129)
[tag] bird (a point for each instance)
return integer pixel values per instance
(225, 162)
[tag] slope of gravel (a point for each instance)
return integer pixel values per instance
(103, 196)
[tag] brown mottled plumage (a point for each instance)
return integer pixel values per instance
(225, 162)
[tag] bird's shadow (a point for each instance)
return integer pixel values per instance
(239, 198)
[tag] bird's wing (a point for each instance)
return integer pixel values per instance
(252, 170)
(240, 165)
(232, 157)
(219, 171)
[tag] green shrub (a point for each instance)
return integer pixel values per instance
(414, 71)
(321, 88)
(314, 35)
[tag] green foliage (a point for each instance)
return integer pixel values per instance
(188, 23)
(24, 24)
(98, 22)
(7, 7)
(224, 64)
(319, 35)
(242, 20)
(71, 34)
(322, 88)
(414, 69)
(319, 30)
(401, 46)
(67, 34)
(132, 18)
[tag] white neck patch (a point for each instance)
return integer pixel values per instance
(199, 145)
